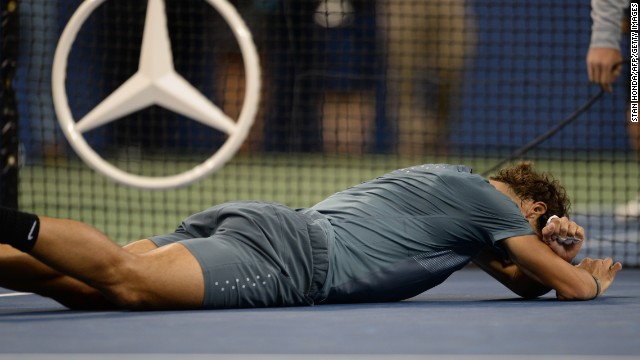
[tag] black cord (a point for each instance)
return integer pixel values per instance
(548, 134)
(535, 142)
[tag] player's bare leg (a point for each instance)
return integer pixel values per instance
(22, 272)
(163, 278)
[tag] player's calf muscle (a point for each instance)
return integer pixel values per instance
(75, 296)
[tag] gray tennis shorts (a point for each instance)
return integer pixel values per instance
(255, 254)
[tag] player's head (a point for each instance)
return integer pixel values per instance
(540, 195)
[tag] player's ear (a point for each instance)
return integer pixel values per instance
(534, 216)
(538, 209)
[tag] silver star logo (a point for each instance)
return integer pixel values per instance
(157, 83)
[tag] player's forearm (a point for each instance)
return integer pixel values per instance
(526, 286)
(585, 287)
(572, 286)
(509, 275)
(537, 261)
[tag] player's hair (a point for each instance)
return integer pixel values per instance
(528, 184)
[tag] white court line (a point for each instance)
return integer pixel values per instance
(15, 294)
(304, 357)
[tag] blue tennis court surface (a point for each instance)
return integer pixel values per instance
(470, 316)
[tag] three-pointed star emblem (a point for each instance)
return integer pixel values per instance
(156, 83)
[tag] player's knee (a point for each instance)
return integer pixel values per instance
(125, 286)
(127, 295)
(129, 299)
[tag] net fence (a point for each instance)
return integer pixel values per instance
(351, 89)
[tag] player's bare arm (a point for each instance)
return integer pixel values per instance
(538, 261)
(509, 274)
(555, 235)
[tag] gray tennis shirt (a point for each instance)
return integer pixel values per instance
(407, 231)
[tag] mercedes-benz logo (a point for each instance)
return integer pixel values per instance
(157, 83)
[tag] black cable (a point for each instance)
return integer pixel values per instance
(548, 134)
(535, 142)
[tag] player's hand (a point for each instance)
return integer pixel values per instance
(604, 270)
(600, 66)
(558, 234)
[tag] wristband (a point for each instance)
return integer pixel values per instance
(598, 288)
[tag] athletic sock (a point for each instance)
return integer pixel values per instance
(18, 229)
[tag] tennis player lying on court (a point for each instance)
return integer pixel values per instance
(387, 239)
